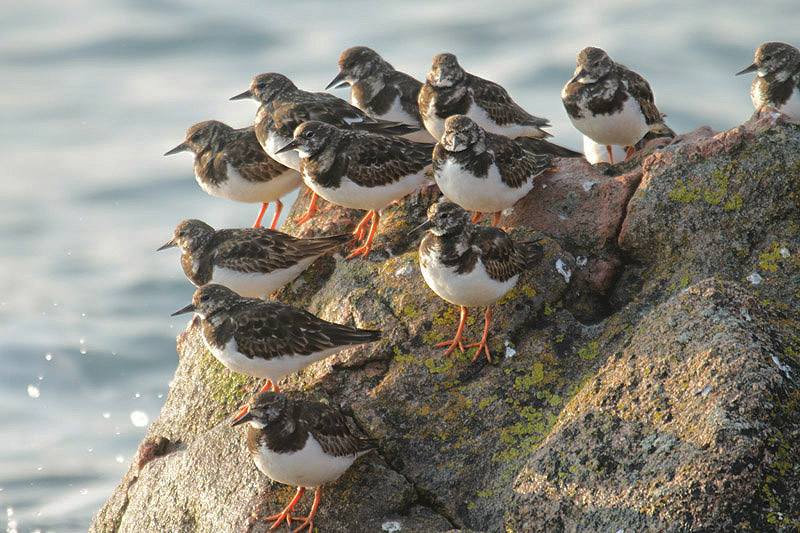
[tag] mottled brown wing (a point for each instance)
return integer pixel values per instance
(329, 428)
(272, 329)
(263, 250)
(501, 256)
(374, 160)
(641, 91)
(499, 106)
(516, 165)
(248, 157)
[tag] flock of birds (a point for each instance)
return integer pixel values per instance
(368, 154)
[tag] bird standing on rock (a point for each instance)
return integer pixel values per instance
(300, 443)
(252, 262)
(283, 107)
(470, 266)
(359, 170)
(267, 339)
(450, 90)
(778, 81)
(379, 90)
(229, 163)
(611, 104)
(482, 171)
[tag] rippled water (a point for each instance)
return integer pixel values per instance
(93, 92)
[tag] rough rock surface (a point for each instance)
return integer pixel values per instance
(645, 373)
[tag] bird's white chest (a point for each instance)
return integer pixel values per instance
(238, 189)
(273, 369)
(258, 284)
(473, 289)
(623, 128)
(760, 98)
(275, 142)
(308, 467)
(355, 196)
(484, 194)
(433, 124)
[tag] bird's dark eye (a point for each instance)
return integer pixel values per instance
(181, 234)
(204, 298)
(767, 58)
(309, 134)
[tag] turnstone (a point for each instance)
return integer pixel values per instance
(470, 265)
(450, 90)
(778, 81)
(482, 171)
(300, 443)
(229, 163)
(283, 107)
(252, 262)
(359, 170)
(611, 104)
(379, 90)
(267, 339)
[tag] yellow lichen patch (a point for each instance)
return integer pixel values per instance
(590, 351)
(525, 382)
(768, 260)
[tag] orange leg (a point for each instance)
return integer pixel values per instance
(312, 208)
(286, 514)
(270, 385)
(308, 522)
(308, 192)
(361, 228)
(477, 217)
(482, 346)
(278, 209)
(458, 340)
(610, 151)
(365, 248)
(257, 223)
(496, 217)
(629, 152)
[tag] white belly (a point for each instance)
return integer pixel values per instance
(596, 153)
(309, 467)
(275, 142)
(354, 196)
(273, 369)
(791, 108)
(255, 284)
(433, 124)
(396, 113)
(625, 128)
(238, 189)
(513, 131)
(487, 194)
(475, 289)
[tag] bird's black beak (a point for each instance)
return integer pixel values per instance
(578, 75)
(182, 147)
(169, 244)
(339, 81)
(422, 227)
(241, 96)
(291, 146)
(188, 309)
(751, 68)
(243, 416)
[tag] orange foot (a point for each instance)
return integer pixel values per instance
(286, 513)
(308, 522)
(365, 248)
(312, 208)
(257, 223)
(458, 340)
(610, 151)
(629, 151)
(483, 344)
(270, 385)
(476, 217)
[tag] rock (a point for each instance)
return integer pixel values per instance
(641, 379)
